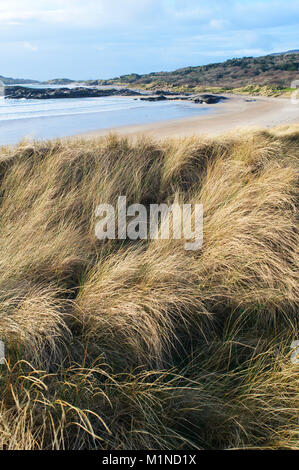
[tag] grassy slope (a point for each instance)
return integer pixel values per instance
(144, 345)
(270, 75)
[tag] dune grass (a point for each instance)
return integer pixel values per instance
(143, 345)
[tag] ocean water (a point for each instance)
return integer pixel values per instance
(46, 119)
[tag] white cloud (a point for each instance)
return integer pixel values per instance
(248, 52)
(9, 15)
(198, 13)
(30, 47)
(139, 35)
(147, 14)
(76, 12)
(218, 24)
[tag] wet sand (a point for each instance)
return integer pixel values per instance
(236, 112)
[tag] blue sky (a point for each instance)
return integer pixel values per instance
(87, 39)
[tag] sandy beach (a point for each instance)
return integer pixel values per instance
(236, 112)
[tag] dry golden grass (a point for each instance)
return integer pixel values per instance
(143, 345)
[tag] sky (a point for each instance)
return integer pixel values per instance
(92, 39)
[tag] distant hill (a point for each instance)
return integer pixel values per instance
(13, 81)
(275, 70)
(59, 81)
(294, 51)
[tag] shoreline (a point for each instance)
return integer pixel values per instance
(239, 111)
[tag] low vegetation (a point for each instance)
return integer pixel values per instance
(270, 75)
(143, 345)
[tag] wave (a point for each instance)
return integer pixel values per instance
(19, 109)
(61, 117)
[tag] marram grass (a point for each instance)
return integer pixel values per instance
(143, 345)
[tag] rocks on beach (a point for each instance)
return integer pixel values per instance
(197, 99)
(154, 98)
(208, 99)
(20, 92)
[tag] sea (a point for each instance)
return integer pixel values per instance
(62, 117)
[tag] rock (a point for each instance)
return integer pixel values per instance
(208, 99)
(178, 98)
(19, 92)
(165, 93)
(154, 98)
(127, 92)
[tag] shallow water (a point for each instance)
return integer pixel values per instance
(45, 119)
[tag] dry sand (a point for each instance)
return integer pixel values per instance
(236, 112)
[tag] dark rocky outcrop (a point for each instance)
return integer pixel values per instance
(208, 99)
(171, 93)
(154, 98)
(164, 92)
(19, 92)
(198, 99)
